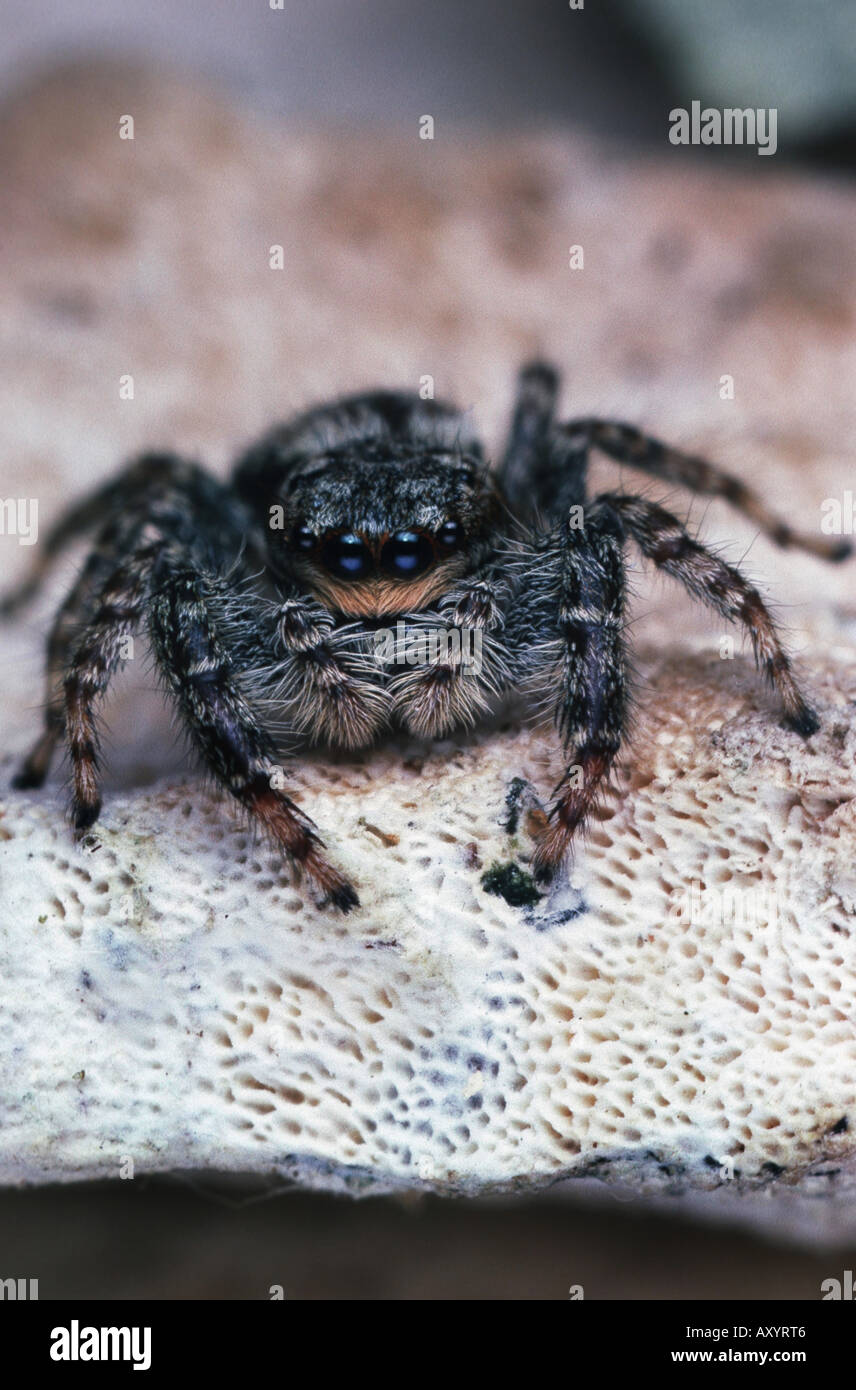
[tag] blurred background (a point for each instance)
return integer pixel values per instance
(204, 1239)
(613, 70)
(617, 70)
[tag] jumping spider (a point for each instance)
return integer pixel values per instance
(262, 595)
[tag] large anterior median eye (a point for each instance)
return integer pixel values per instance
(405, 554)
(346, 556)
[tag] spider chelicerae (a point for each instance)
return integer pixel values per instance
(263, 596)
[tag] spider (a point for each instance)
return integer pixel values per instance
(263, 596)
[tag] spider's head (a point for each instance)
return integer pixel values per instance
(384, 535)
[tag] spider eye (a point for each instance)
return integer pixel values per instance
(302, 538)
(405, 554)
(347, 556)
(449, 535)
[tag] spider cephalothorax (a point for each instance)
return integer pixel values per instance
(377, 505)
(263, 596)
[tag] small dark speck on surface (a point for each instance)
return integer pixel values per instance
(557, 919)
(509, 881)
(471, 856)
(513, 798)
(386, 837)
(841, 1126)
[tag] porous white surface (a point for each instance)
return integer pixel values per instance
(178, 999)
(167, 994)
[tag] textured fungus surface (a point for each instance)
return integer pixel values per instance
(688, 996)
(681, 1013)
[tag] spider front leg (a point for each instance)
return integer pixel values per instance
(661, 537)
(170, 522)
(223, 726)
(581, 579)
